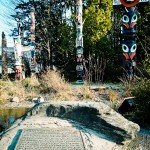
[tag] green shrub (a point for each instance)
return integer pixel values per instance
(142, 93)
(26, 82)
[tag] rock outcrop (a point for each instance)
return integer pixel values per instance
(94, 120)
(94, 115)
(97, 116)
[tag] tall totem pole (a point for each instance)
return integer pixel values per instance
(4, 57)
(79, 42)
(18, 53)
(128, 36)
(32, 45)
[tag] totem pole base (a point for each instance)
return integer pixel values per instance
(79, 82)
(18, 73)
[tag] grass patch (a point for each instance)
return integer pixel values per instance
(114, 98)
(9, 89)
(51, 83)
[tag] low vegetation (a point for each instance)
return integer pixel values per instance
(51, 84)
(142, 93)
(55, 87)
(140, 89)
(114, 98)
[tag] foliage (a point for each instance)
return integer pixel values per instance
(142, 93)
(143, 51)
(26, 82)
(54, 82)
(97, 41)
(114, 98)
(65, 57)
(97, 21)
(140, 89)
(146, 61)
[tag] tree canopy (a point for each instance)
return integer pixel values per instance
(55, 31)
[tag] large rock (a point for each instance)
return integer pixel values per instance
(109, 129)
(16, 99)
(97, 116)
(40, 99)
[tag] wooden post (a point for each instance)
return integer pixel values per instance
(18, 58)
(32, 30)
(79, 42)
(4, 57)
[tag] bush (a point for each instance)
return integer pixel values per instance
(142, 93)
(24, 89)
(114, 98)
(26, 82)
(52, 81)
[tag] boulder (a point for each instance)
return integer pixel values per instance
(16, 99)
(128, 105)
(97, 116)
(35, 100)
(108, 126)
(40, 99)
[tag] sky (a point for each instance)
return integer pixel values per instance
(6, 21)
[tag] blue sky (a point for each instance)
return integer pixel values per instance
(6, 21)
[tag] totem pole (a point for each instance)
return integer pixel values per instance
(4, 57)
(128, 36)
(32, 45)
(18, 53)
(79, 42)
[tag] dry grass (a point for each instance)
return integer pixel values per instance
(50, 83)
(128, 86)
(9, 89)
(54, 81)
(113, 96)
(84, 93)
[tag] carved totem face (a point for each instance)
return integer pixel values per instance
(129, 52)
(129, 21)
(79, 69)
(79, 54)
(129, 49)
